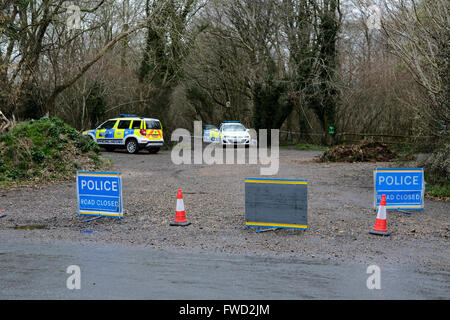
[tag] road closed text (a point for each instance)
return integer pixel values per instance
(404, 197)
(99, 203)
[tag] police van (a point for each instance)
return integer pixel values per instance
(210, 133)
(130, 132)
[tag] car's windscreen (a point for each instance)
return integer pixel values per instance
(234, 127)
(108, 124)
(210, 127)
(153, 124)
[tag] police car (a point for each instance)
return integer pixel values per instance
(234, 133)
(130, 132)
(210, 133)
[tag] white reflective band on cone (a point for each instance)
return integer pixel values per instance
(381, 213)
(180, 205)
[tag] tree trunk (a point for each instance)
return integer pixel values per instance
(5, 124)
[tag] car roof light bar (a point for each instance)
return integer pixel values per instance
(127, 115)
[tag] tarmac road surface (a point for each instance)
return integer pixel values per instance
(37, 270)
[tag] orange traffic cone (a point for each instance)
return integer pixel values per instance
(380, 227)
(180, 215)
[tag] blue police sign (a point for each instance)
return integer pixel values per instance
(404, 188)
(100, 193)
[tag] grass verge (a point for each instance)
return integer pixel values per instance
(437, 173)
(438, 191)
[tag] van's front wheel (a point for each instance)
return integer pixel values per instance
(132, 146)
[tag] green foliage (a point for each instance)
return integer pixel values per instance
(270, 105)
(96, 104)
(86, 144)
(76, 165)
(437, 172)
(439, 190)
(205, 106)
(44, 148)
(31, 103)
(168, 42)
(438, 164)
(97, 160)
(37, 155)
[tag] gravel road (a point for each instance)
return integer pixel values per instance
(339, 213)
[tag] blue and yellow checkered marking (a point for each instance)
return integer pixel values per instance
(276, 225)
(93, 173)
(277, 181)
(98, 213)
(398, 170)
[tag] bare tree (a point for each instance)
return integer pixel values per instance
(33, 32)
(419, 34)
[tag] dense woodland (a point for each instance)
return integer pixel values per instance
(360, 66)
